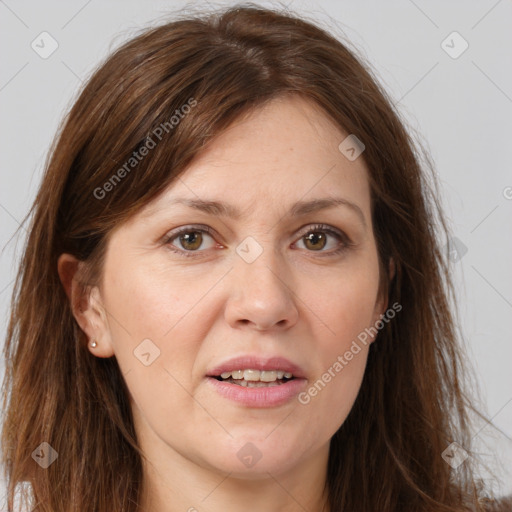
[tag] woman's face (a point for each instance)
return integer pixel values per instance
(284, 278)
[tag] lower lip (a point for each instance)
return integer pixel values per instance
(271, 396)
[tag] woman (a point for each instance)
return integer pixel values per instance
(232, 293)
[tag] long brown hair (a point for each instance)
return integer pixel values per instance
(387, 454)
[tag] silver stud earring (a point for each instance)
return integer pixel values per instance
(93, 344)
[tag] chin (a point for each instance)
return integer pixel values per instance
(258, 471)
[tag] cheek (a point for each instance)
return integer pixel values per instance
(151, 303)
(346, 303)
(332, 393)
(150, 300)
(155, 312)
(346, 309)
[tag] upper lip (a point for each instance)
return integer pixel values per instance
(252, 362)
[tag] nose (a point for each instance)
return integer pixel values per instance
(259, 296)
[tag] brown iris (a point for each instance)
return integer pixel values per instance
(191, 240)
(315, 241)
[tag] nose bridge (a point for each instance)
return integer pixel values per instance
(259, 292)
(258, 264)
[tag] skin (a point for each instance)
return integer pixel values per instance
(293, 301)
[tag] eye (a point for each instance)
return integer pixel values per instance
(190, 239)
(316, 239)
(193, 240)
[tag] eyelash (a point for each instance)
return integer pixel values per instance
(346, 243)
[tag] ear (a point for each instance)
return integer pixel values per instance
(86, 306)
(381, 304)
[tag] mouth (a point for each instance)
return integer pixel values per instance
(257, 382)
(252, 378)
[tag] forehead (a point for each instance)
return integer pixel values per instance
(283, 152)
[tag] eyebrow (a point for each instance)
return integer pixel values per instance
(300, 208)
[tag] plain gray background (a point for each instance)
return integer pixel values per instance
(461, 107)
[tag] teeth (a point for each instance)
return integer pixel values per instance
(261, 384)
(250, 375)
(269, 376)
